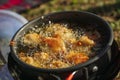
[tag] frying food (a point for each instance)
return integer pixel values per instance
(54, 46)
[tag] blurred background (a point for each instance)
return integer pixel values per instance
(30, 9)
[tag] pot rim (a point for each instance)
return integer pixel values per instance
(72, 68)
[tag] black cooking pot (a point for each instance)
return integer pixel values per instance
(83, 71)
